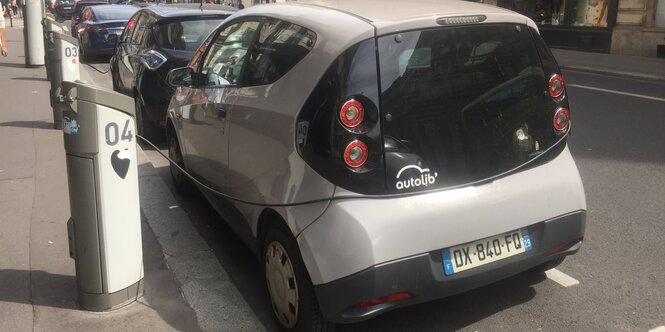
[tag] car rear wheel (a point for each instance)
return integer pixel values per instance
(291, 292)
(183, 185)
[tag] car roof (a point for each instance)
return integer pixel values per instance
(117, 8)
(186, 10)
(389, 16)
(379, 10)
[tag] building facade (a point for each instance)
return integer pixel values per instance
(634, 27)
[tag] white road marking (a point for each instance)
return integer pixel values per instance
(616, 92)
(658, 329)
(561, 278)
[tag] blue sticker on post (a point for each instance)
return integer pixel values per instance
(70, 126)
(447, 263)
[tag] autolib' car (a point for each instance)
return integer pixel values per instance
(64, 9)
(101, 26)
(377, 156)
(158, 39)
(77, 12)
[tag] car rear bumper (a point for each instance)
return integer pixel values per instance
(423, 277)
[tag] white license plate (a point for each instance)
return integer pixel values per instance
(474, 254)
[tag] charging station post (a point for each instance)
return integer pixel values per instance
(63, 65)
(105, 226)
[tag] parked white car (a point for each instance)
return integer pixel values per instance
(377, 155)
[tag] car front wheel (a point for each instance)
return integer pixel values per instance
(291, 292)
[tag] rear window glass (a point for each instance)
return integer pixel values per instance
(119, 13)
(184, 35)
(461, 104)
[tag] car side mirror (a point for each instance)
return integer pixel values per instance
(180, 77)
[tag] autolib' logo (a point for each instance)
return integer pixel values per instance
(425, 178)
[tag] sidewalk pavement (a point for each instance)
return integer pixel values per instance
(37, 277)
(186, 288)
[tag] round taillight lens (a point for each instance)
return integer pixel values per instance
(556, 86)
(352, 113)
(561, 119)
(355, 154)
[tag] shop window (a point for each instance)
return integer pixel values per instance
(577, 13)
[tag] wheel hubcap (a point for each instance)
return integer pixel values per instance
(282, 284)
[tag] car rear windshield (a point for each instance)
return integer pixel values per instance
(184, 35)
(120, 13)
(461, 104)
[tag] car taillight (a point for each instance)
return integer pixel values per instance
(352, 113)
(556, 86)
(561, 120)
(355, 154)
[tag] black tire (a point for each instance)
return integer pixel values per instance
(183, 185)
(281, 255)
(146, 128)
(547, 265)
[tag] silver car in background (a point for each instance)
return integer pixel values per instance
(376, 156)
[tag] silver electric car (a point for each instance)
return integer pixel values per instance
(375, 156)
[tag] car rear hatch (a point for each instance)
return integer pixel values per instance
(465, 103)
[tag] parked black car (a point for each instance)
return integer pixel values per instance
(156, 40)
(77, 13)
(64, 9)
(99, 32)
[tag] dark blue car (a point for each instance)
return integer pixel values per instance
(100, 28)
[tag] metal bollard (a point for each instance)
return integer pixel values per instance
(63, 66)
(105, 226)
(34, 46)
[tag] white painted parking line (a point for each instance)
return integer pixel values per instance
(658, 329)
(615, 92)
(561, 278)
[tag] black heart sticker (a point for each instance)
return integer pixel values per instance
(120, 166)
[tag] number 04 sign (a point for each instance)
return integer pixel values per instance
(113, 135)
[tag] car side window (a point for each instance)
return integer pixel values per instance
(147, 34)
(279, 47)
(129, 29)
(224, 61)
(140, 29)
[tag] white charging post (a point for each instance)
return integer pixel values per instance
(105, 227)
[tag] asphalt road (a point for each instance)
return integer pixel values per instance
(617, 142)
